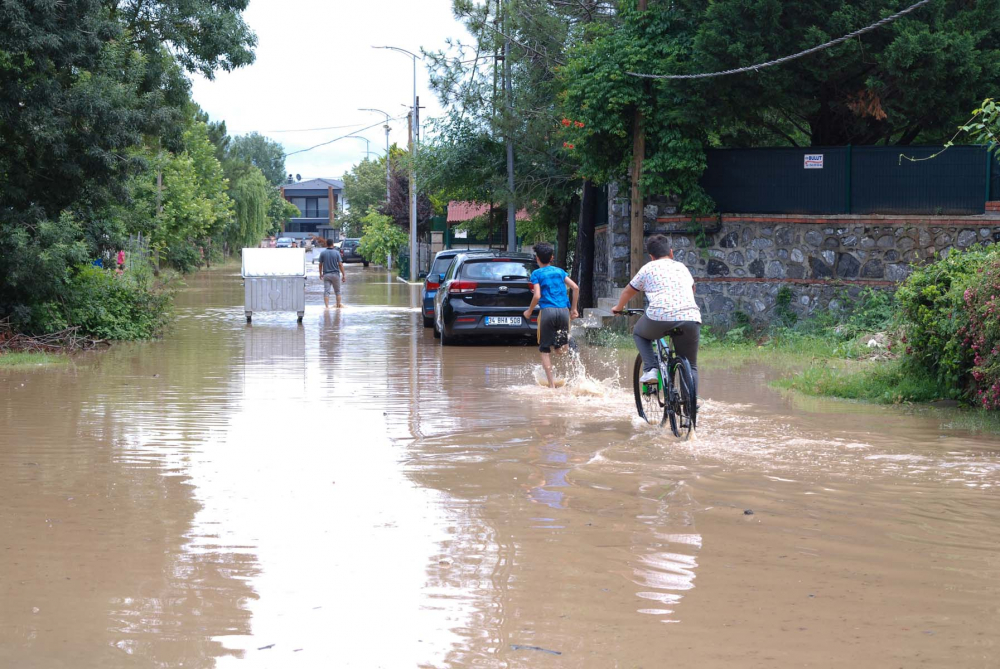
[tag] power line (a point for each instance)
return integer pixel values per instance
(335, 139)
(785, 59)
(331, 127)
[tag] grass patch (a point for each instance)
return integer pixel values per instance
(883, 382)
(783, 349)
(20, 360)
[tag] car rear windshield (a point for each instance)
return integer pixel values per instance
(440, 267)
(498, 269)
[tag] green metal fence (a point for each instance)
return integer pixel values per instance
(851, 180)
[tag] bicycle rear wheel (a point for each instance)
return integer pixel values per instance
(649, 398)
(683, 399)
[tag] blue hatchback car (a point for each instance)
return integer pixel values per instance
(433, 281)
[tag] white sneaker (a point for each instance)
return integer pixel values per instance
(649, 376)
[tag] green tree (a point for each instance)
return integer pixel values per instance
(265, 154)
(911, 80)
(381, 238)
(601, 101)
(279, 211)
(468, 158)
(204, 35)
(251, 196)
(195, 206)
(364, 187)
(90, 93)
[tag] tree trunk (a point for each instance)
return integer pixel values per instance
(636, 205)
(583, 257)
(563, 224)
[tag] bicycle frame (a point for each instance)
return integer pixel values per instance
(663, 356)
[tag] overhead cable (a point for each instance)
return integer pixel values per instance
(336, 139)
(330, 127)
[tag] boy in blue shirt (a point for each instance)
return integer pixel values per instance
(549, 285)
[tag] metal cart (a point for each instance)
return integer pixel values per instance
(274, 280)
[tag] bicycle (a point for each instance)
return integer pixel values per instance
(674, 392)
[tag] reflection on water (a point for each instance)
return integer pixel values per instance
(348, 493)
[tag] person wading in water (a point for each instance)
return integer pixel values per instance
(550, 284)
(331, 272)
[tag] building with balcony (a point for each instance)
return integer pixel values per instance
(318, 202)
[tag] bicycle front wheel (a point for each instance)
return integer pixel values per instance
(649, 398)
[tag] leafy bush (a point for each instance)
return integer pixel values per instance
(980, 335)
(36, 263)
(107, 305)
(874, 311)
(932, 310)
(381, 237)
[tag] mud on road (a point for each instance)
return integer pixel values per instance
(348, 493)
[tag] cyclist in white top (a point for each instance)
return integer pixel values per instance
(672, 310)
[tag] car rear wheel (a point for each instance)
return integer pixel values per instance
(365, 263)
(437, 333)
(428, 321)
(447, 340)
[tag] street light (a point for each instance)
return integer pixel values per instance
(368, 144)
(379, 111)
(413, 174)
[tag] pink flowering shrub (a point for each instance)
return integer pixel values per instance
(980, 334)
(934, 318)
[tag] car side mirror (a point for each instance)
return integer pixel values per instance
(440, 278)
(422, 275)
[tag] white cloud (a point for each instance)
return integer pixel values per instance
(315, 67)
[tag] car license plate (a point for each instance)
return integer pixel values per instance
(503, 320)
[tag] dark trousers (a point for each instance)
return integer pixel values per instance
(684, 337)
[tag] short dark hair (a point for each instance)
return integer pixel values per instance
(544, 252)
(329, 243)
(658, 246)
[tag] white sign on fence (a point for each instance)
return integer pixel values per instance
(814, 161)
(461, 234)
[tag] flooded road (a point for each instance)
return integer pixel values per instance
(348, 493)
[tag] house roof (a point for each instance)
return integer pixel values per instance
(462, 211)
(314, 184)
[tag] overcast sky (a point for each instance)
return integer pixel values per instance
(315, 67)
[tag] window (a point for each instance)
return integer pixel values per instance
(498, 270)
(441, 266)
(300, 203)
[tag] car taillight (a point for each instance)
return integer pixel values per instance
(462, 287)
(433, 286)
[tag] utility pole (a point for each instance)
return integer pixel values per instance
(636, 206)
(413, 180)
(414, 140)
(413, 198)
(387, 159)
(509, 94)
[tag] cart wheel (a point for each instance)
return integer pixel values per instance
(301, 314)
(249, 316)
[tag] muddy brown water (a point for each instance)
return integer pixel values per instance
(347, 493)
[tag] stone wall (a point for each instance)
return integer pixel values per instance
(744, 259)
